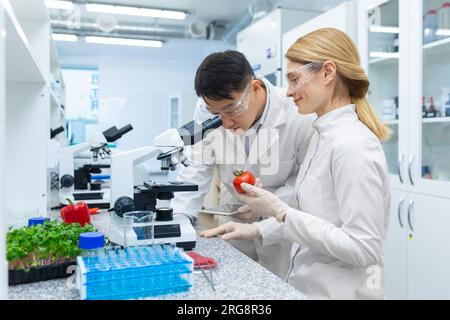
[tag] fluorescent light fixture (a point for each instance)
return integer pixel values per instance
(56, 4)
(124, 41)
(135, 11)
(443, 32)
(63, 24)
(380, 54)
(64, 37)
(382, 29)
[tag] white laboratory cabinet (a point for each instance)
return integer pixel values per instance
(3, 263)
(408, 62)
(33, 105)
(342, 17)
(30, 105)
(261, 42)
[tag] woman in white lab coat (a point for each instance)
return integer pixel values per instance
(342, 189)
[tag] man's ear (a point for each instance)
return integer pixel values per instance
(256, 85)
(329, 71)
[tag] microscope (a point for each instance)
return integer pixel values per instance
(78, 181)
(153, 198)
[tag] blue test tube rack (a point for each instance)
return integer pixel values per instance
(134, 272)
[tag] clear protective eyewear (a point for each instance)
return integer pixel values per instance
(302, 75)
(232, 110)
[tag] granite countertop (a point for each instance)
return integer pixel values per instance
(236, 277)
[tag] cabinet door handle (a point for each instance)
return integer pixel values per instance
(400, 165)
(410, 206)
(400, 206)
(411, 161)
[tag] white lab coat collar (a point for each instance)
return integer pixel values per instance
(263, 117)
(274, 114)
(335, 118)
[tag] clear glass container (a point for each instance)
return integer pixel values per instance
(430, 26)
(138, 228)
(444, 20)
(92, 244)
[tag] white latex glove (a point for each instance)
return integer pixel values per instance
(246, 214)
(260, 200)
(234, 231)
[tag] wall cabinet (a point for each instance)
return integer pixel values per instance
(416, 259)
(342, 17)
(405, 48)
(262, 41)
(29, 108)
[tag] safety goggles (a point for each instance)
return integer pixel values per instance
(302, 75)
(232, 110)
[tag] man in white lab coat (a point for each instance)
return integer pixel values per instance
(262, 133)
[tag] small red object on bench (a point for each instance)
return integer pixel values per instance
(200, 261)
(94, 210)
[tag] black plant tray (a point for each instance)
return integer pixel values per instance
(35, 274)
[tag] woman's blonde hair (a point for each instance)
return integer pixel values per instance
(334, 45)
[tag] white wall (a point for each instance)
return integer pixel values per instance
(136, 83)
(138, 91)
(78, 100)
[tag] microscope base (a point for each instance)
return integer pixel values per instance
(179, 231)
(93, 198)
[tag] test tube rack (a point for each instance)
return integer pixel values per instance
(134, 272)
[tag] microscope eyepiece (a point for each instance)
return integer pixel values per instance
(212, 123)
(192, 132)
(113, 134)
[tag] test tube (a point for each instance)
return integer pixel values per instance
(151, 252)
(166, 251)
(152, 221)
(160, 249)
(171, 253)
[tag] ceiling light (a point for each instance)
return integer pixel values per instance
(56, 4)
(135, 11)
(124, 41)
(64, 37)
(382, 29)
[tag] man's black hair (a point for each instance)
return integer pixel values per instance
(221, 74)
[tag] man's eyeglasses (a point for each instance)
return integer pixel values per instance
(234, 109)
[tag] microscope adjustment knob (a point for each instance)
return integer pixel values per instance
(67, 181)
(123, 205)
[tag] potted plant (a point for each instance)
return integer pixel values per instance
(43, 251)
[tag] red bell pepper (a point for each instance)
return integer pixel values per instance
(76, 213)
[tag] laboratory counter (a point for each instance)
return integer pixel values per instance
(236, 277)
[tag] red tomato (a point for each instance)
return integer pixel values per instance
(243, 176)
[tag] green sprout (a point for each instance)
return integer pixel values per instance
(44, 244)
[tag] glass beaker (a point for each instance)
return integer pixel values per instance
(138, 228)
